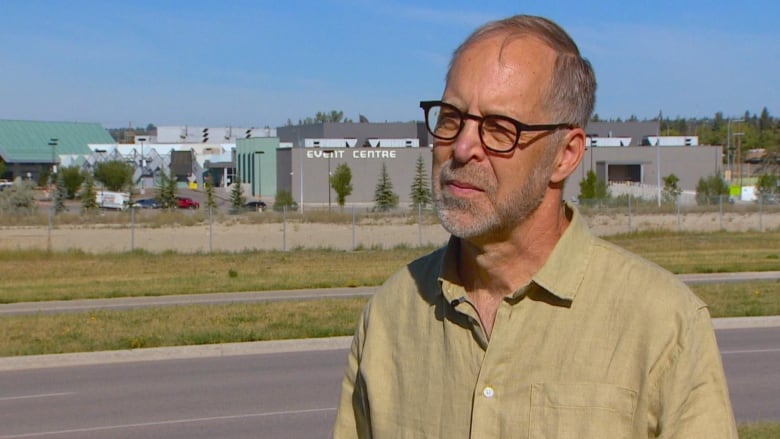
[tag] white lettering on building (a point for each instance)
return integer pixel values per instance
(356, 154)
(324, 154)
(373, 154)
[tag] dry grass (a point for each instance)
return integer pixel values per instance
(706, 252)
(38, 275)
(176, 326)
(759, 430)
(741, 299)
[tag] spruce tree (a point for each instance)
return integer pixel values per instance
(60, 193)
(421, 190)
(384, 197)
(167, 189)
(210, 201)
(89, 194)
(237, 199)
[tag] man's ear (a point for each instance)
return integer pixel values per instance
(570, 155)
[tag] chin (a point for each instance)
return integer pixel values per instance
(466, 223)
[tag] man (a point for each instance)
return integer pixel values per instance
(526, 325)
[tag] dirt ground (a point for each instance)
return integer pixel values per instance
(278, 236)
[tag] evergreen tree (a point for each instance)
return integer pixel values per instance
(341, 182)
(421, 190)
(210, 200)
(593, 188)
(384, 197)
(237, 198)
(60, 193)
(167, 189)
(88, 194)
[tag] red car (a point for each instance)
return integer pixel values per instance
(186, 203)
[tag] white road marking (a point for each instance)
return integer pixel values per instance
(751, 351)
(169, 422)
(40, 395)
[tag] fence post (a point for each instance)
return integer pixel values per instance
(677, 206)
(284, 228)
(720, 208)
(48, 236)
(629, 213)
(211, 221)
(419, 224)
(353, 228)
(132, 228)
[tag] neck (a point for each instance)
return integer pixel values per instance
(498, 266)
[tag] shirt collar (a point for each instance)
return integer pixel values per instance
(561, 275)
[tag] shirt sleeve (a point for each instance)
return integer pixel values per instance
(693, 392)
(352, 416)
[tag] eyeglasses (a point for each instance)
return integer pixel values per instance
(497, 133)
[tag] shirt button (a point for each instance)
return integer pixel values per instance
(488, 392)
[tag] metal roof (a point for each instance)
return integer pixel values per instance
(635, 130)
(23, 141)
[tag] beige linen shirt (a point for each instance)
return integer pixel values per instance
(600, 344)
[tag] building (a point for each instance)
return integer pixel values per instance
(30, 149)
(300, 158)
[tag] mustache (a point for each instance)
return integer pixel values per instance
(468, 175)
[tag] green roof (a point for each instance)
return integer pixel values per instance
(23, 141)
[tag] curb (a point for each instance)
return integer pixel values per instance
(173, 353)
(746, 322)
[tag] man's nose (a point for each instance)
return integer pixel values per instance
(468, 145)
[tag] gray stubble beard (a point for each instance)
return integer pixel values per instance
(466, 219)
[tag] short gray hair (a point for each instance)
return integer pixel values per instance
(571, 93)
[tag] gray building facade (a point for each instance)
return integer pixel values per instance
(304, 171)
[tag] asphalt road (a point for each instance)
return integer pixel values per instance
(284, 392)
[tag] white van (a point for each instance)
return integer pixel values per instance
(112, 200)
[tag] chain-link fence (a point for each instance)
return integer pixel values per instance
(349, 228)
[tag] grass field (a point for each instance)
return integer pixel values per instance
(41, 276)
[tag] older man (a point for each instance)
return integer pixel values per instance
(526, 325)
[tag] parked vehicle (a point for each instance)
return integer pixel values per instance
(146, 203)
(256, 205)
(112, 200)
(186, 203)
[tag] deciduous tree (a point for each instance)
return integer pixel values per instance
(341, 182)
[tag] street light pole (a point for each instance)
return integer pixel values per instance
(143, 162)
(259, 155)
(728, 146)
(53, 143)
(329, 152)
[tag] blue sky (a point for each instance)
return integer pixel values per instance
(258, 63)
